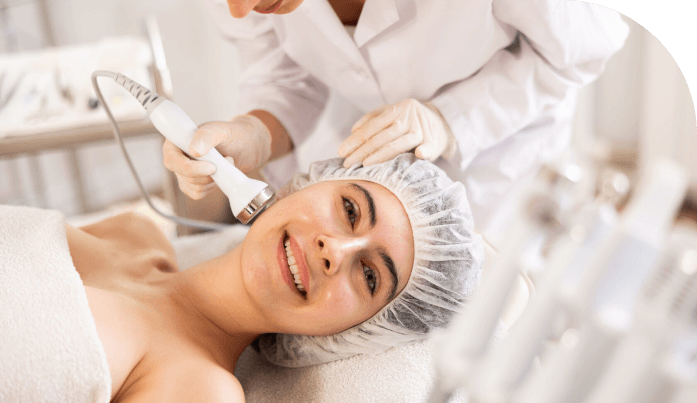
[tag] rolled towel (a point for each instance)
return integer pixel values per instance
(49, 347)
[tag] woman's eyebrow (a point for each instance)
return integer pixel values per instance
(393, 272)
(369, 199)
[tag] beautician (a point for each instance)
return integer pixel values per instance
(485, 88)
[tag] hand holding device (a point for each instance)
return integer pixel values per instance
(248, 197)
(245, 140)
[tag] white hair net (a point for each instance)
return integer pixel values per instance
(448, 258)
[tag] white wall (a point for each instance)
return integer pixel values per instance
(202, 65)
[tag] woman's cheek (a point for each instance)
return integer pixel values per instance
(340, 309)
(256, 272)
(255, 282)
(316, 207)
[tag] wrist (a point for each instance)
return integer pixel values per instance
(450, 141)
(280, 141)
(259, 135)
(263, 136)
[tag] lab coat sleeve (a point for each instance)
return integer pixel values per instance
(269, 79)
(562, 45)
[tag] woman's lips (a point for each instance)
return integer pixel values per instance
(301, 263)
(271, 8)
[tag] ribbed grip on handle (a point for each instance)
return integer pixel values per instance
(149, 99)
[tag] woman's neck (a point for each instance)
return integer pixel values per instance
(215, 310)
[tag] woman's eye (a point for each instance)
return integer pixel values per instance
(370, 278)
(350, 210)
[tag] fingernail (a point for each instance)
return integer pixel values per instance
(196, 149)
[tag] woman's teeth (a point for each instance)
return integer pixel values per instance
(293, 267)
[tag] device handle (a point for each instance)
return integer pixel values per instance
(177, 127)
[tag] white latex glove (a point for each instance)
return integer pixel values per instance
(394, 129)
(244, 141)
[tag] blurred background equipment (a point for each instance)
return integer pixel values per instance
(615, 322)
(591, 332)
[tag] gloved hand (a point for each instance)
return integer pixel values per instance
(244, 141)
(394, 129)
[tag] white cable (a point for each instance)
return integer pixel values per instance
(117, 134)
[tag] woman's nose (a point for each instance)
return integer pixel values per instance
(337, 252)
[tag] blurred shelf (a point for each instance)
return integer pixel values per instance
(72, 137)
(36, 115)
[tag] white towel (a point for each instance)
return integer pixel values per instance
(399, 375)
(49, 347)
(402, 374)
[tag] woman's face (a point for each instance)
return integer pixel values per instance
(240, 8)
(350, 245)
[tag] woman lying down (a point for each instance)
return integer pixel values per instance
(358, 260)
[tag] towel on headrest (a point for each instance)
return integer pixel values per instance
(49, 347)
(401, 374)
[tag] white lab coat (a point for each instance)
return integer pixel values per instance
(503, 73)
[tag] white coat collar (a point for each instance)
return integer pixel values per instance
(327, 22)
(377, 16)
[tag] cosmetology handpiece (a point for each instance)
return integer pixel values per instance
(603, 298)
(509, 362)
(464, 343)
(656, 357)
(248, 197)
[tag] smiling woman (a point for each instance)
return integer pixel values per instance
(357, 260)
(403, 210)
(337, 262)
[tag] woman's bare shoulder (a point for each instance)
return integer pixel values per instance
(127, 246)
(185, 382)
(132, 228)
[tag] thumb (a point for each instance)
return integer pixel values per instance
(230, 160)
(425, 152)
